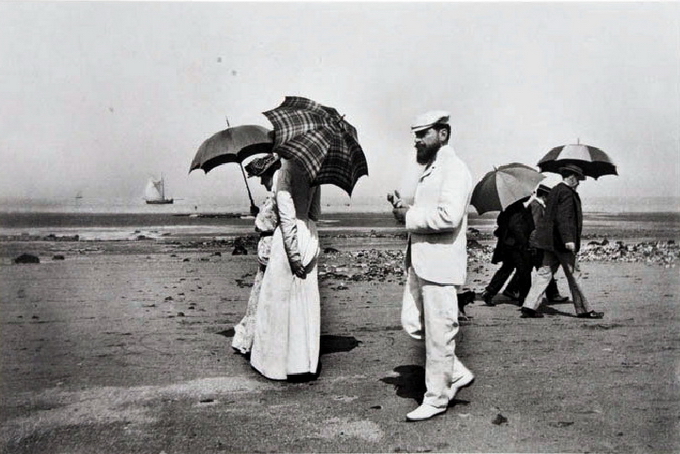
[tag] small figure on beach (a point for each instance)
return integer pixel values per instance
(287, 335)
(266, 221)
(558, 236)
(436, 260)
(514, 225)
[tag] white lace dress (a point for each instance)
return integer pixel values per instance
(288, 319)
(265, 223)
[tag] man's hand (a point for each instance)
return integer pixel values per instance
(570, 246)
(400, 214)
(298, 269)
(395, 199)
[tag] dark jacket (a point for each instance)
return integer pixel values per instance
(515, 224)
(562, 222)
(537, 209)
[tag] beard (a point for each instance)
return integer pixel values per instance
(425, 153)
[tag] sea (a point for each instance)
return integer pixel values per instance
(129, 219)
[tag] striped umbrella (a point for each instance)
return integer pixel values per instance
(593, 161)
(504, 186)
(320, 140)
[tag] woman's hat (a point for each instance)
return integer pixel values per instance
(260, 166)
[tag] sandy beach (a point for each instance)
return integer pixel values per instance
(124, 347)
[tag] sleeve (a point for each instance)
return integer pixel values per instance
(501, 225)
(286, 210)
(449, 211)
(564, 219)
(315, 206)
(536, 212)
(266, 220)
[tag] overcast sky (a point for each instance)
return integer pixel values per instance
(95, 97)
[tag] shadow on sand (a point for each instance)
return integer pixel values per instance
(329, 343)
(334, 344)
(227, 332)
(548, 310)
(410, 384)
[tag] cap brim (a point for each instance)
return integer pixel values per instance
(421, 128)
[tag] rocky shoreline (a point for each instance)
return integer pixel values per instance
(388, 258)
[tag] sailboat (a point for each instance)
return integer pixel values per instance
(154, 193)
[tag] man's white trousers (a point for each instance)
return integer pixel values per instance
(430, 312)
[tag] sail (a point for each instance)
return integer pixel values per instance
(154, 190)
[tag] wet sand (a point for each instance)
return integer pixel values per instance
(124, 347)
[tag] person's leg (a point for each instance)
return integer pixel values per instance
(501, 275)
(444, 373)
(523, 273)
(567, 260)
(412, 306)
(552, 293)
(540, 280)
(441, 326)
(512, 289)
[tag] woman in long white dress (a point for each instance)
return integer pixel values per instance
(288, 318)
(266, 221)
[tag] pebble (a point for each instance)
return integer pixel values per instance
(27, 258)
(499, 419)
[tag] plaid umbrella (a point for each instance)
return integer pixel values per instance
(320, 140)
(594, 162)
(504, 186)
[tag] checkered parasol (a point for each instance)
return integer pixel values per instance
(320, 140)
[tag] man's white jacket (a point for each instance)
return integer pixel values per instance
(437, 220)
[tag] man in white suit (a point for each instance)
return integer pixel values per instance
(436, 260)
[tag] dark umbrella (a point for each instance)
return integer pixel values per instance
(504, 186)
(593, 161)
(320, 140)
(234, 144)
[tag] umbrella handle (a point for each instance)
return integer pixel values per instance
(250, 196)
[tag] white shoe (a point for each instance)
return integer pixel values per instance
(424, 412)
(461, 382)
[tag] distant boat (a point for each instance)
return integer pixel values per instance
(154, 193)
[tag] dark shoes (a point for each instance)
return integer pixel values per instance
(512, 295)
(488, 298)
(591, 314)
(530, 313)
(558, 299)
